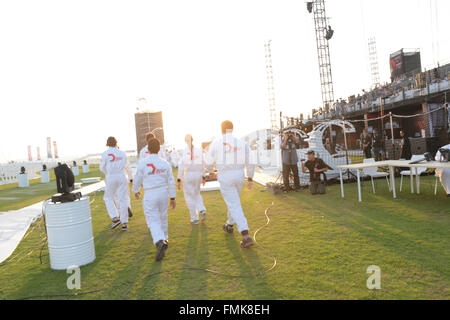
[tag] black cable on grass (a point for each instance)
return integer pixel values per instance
(61, 295)
(218, 273)
(264, 249)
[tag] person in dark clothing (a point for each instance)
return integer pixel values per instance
(377, 143)
(366, 142)
(289, 146)
(316, 168)
(405, 145)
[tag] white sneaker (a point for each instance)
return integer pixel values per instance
(194, 222)
(203, 215)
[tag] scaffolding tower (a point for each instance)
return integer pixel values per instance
(323, 52)
(373, 62)
(270, 86)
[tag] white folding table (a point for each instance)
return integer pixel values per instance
(424, 164)
(391, 164)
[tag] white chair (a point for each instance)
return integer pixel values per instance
(420, 171)
(373, 173)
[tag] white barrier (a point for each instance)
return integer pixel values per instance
(45, 177)
(23, 180)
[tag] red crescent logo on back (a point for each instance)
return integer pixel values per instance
(112, 156)
(229, 147)
(152, 166)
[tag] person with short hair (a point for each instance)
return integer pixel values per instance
(289, 146)
(155, 176)
(366, 142)
(232, 159)
(405, 146)
(316, 168)
(144, 153)
(377, 143)
(114, 164)
(191, 168)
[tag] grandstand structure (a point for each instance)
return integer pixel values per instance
(418, 103)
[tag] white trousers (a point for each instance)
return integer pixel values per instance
(445, 179)
(191, 189)
(156, 203)
(117, 203)
(116, 190)
(231, 184)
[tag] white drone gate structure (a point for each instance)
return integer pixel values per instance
(270, 159)
(315, 141)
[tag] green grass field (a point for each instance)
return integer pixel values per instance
(322, 245)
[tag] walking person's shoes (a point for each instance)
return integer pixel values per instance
(194, 222)
(227, 228)
(161, 247)
(203, 215)
(124, 227)
(114, 224)
(130, 214)
(247, 242)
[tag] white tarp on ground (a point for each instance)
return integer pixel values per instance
(268, 175)
(14, 224)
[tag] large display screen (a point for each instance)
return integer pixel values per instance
(405, 63)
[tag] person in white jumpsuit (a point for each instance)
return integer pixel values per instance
(114, 164)
(191, 168)
(444, 174)
(231, 157)
(144, 153)
(155, 175)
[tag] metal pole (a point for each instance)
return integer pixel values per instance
(346, 148)
(392, 135)
(447, 119)
(382, 113)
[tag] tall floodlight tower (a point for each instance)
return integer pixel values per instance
(270, 86)
(324, 33)
(373, 62)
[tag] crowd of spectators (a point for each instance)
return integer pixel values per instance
(387, 90)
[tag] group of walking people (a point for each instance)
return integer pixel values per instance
(229, 155)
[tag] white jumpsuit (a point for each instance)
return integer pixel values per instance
(444, 174)
(114, 163)
(155, 175)
(144, 153)
(190, 170)
(231, 157)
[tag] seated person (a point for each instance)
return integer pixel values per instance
(316, 168)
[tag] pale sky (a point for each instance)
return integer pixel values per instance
(72, 70)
